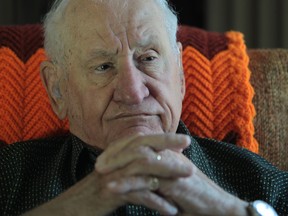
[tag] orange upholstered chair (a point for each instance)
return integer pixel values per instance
(218, 103)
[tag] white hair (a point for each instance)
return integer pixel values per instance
(54, 31)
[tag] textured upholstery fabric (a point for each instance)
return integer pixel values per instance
(25, 111)
(22, 48)
(218, 102)
(270, 80)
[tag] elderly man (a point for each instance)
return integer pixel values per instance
(115, 71)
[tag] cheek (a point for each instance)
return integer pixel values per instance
(89, 105)
(172, 86)
(167, 92)
(175, 102)
(86, 105)
(175, 95)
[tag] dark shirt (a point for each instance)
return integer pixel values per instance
(34, 172)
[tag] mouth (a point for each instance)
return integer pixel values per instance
(124, 124)
(131, 116)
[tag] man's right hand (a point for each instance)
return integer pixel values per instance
(94, 195)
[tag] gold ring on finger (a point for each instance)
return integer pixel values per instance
(154, 184)
(158, 157)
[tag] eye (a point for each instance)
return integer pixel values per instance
(103, 68)
(149, 58)
(149, 61)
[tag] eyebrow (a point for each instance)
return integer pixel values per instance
(151, 39)
(96, 53)
(101, 53)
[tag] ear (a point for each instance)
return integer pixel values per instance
(180, 65)
(51, 78)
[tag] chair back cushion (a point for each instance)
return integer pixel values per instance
(218, 102)
(25, 111)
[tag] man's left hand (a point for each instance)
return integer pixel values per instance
(194, 194)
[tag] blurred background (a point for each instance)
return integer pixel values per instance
(263, 22)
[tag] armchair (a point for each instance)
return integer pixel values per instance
(213, 62)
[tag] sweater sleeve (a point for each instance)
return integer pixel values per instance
(245, 174)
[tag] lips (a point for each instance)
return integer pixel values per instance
(143, 110)
(131, 116)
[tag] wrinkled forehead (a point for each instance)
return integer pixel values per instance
(85, 14)
(102, 23)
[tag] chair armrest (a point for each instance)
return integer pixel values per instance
(269, 77)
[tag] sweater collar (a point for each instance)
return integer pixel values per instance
(84, 156)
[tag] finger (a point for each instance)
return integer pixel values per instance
(122, 159)
(135, 183)
(152, 201)
(115, 147)
(175, 142)
(167, 164)
(138, 148)
(171, 165)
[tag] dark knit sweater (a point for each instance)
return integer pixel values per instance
(33, 172)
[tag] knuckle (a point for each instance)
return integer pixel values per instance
(167, 138)
(148, 196)
(143, 150)
(138, 138)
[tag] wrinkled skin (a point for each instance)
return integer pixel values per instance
(121, 86)
(122, 76)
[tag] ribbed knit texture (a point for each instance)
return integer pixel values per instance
(218, 101)
(35, 171)
(25, 111)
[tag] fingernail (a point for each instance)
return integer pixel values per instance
(172, 210)
(100, 167)
(112, 185)
(97, 165)
(188, 139)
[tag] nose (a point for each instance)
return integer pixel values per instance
(130, 85)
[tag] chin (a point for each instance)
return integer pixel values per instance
(141, 130)
(136, 131)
